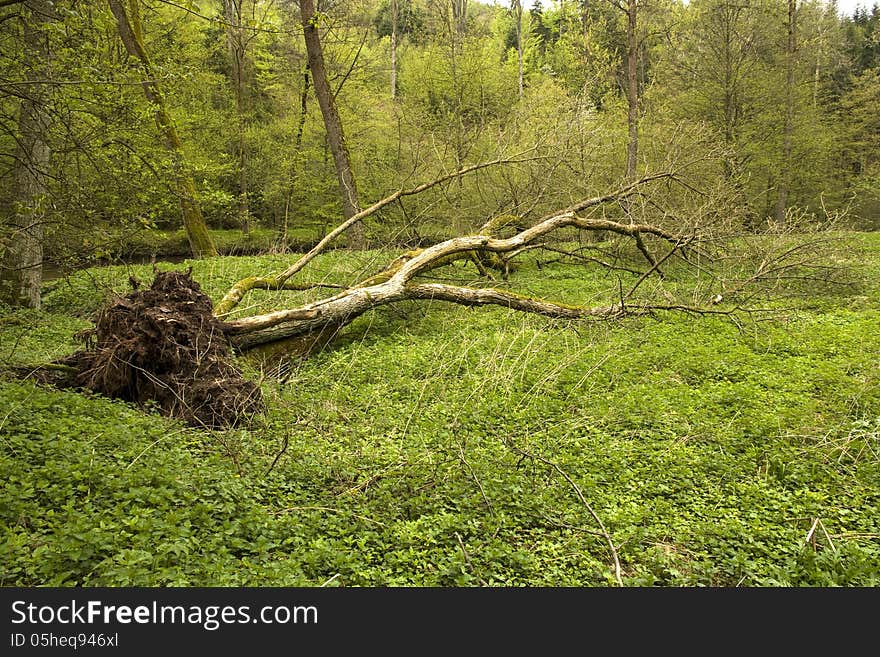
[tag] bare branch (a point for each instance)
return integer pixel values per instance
(467, 296)
(237, 292)
(577, 490)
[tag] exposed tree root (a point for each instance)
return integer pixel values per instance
(164, 346)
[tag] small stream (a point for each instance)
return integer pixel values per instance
(53, 271)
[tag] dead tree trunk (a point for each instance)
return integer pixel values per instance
(130, 32)
(332, 122)
(396, 283)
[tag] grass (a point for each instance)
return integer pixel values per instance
(708, 452)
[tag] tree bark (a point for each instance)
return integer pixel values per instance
(237, 46)
(130, 32)
(22, 272)
(784, 187)
(632, 89)
(395, 15)
(332, 122)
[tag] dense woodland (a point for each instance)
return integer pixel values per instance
(775, 100)
(672, 207)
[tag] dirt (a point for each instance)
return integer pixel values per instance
(163, 347)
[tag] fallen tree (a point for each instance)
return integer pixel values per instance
(169, 346)
(404, 279)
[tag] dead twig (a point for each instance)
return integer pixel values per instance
(580, 495)
(467, 558)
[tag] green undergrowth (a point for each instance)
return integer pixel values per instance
(445, 446)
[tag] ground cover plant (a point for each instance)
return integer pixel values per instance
(436, 445)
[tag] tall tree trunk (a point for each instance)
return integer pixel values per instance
(22, 267)
(332, 122)
(395, 15)
(728, 17)
(293, 173)
(130, 32)
(632, 89)
(788, 129)
(235, 39)
(459, 15)
(518, 16)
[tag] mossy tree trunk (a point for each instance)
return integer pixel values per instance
(22, 267)
(130, 32)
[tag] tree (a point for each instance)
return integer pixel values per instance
(237, 43)
(791, 48)
(396, 19)
(520, 38)
(631, 9)
(861, 148)
(311, 22)
(864, 38)
(131, 34)
(716, 68)
(723, 57)
(21, 273)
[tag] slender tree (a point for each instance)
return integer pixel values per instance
(131, 34)
(237, 43)
(632, 86)
(395, 15)
(518, 18)
(785, 174)
(630, 10)
(332, 122)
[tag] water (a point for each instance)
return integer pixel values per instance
(53, 271)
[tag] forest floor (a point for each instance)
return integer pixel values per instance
(444, 446)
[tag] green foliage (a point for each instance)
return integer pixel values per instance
(458, 104)
(708, 452)
(410, 19)
(111, 497)
(711, 454)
